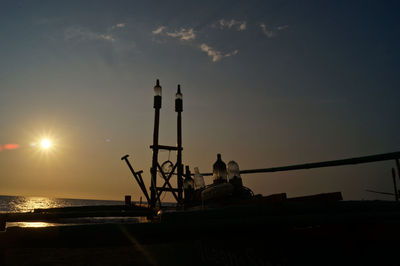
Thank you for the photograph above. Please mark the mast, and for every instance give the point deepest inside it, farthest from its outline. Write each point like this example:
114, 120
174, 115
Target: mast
157, 107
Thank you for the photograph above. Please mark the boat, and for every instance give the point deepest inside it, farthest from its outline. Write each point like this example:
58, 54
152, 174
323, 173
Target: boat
223, 223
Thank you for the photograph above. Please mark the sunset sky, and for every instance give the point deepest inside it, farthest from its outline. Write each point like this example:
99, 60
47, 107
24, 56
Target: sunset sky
264, 83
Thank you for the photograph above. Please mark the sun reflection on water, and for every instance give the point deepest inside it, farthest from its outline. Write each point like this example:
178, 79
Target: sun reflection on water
20, 204
31, 224
28, 204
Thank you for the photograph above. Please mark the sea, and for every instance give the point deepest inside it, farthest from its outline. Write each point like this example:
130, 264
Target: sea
10, 204
28, 204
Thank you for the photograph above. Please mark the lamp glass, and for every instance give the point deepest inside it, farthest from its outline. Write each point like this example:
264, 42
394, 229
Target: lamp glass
157, 90
178, 96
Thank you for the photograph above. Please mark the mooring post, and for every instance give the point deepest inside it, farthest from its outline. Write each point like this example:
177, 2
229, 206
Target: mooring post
157, 107
179, 109
396, 192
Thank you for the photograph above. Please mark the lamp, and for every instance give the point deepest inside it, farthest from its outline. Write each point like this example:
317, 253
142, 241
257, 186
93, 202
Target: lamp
178, 100
157, 95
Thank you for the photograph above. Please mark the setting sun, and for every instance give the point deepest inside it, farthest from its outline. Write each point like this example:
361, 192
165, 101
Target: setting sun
45, 144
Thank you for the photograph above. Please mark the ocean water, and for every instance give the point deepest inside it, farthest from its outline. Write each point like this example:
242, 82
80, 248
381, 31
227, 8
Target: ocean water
28, 204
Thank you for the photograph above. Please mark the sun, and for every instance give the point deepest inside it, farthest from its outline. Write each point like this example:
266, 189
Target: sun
45, 144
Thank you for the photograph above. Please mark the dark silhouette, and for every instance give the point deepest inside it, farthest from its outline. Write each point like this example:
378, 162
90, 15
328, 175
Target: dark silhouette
188, 186
138, 177
177, 169
219, 171
396, 192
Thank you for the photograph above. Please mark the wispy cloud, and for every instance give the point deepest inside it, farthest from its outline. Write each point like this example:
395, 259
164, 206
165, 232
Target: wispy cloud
215, 54
267, 31
242, 26
159, 30
271, 32
119, 25
107, 37
109, 44
183, 34
83, 34
238, 25
187, 34
283, 27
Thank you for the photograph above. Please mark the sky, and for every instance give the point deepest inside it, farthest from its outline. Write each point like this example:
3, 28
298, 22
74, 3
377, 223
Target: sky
264, 83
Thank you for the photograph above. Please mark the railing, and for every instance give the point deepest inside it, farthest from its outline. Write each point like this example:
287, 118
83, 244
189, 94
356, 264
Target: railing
349, 161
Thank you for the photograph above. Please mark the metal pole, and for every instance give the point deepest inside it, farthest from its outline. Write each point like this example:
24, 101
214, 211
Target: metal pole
179, 158
350, 161
179, 109
155, 158
137, 176
379, 192
157, 107
396, 193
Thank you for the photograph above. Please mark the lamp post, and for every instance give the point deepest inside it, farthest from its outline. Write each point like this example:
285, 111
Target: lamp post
157, 107
179, 109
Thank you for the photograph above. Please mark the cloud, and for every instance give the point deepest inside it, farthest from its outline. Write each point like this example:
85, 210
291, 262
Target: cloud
119, 25
106, 37
272, 32
187, 34
83, 34
267, 31
111, 46
283, 27
159, 30
214, 54
242, 26
239, 25
183, 34
235, 52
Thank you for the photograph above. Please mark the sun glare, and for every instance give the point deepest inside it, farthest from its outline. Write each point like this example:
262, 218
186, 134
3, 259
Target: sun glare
45, 144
